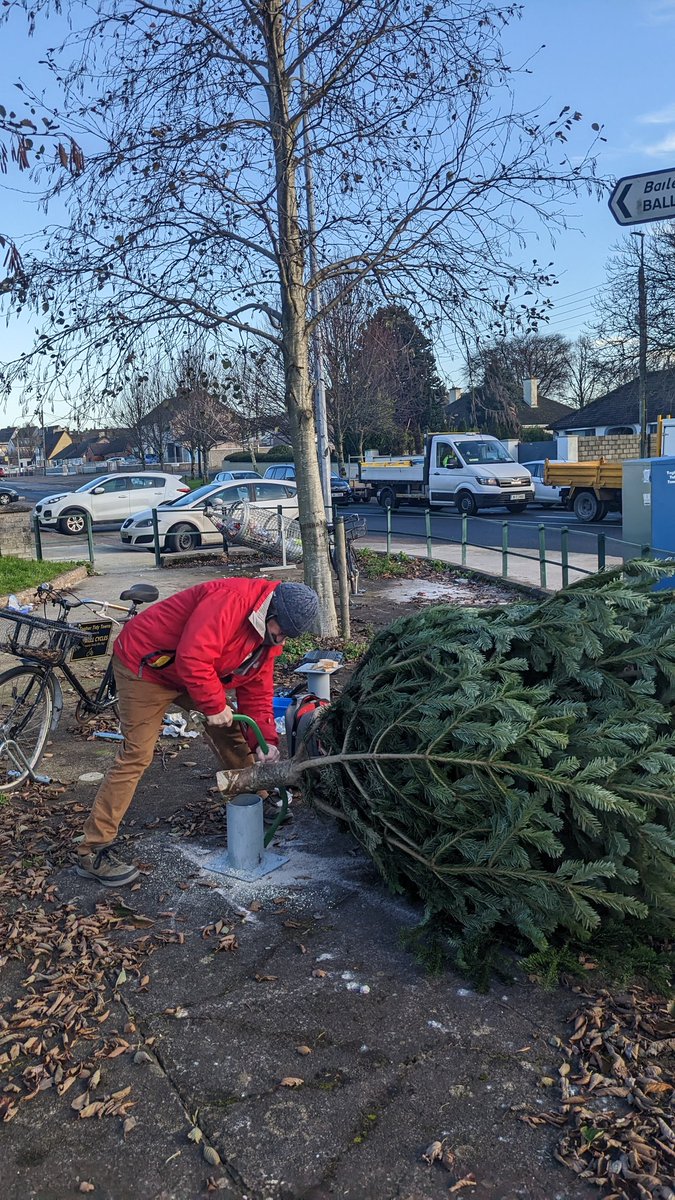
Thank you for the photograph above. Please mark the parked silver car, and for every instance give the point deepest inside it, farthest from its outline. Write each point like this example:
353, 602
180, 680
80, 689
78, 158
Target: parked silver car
183, 524
543, 492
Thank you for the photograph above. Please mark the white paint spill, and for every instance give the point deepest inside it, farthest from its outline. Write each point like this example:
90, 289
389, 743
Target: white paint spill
430, 590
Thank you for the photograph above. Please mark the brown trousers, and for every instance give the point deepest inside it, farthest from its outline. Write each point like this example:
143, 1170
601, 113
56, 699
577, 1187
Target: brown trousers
142, 706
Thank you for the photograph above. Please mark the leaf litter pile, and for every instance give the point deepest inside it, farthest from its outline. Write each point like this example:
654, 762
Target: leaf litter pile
617, 1096
63, 967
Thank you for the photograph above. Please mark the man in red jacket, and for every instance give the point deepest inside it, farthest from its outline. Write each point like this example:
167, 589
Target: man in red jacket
189, 650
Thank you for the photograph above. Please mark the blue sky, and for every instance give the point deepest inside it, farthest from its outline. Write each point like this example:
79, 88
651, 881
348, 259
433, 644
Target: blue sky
610, 59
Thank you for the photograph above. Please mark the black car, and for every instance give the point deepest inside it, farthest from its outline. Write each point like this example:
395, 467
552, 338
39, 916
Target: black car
340, 491
8, 495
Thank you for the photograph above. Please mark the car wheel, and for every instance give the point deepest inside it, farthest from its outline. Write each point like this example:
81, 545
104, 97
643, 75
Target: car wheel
5, 499
183, 538
466, 504
73, 522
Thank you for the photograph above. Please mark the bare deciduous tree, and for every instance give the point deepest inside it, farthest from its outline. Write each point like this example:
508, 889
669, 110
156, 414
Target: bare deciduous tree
356, 404
545, 357
616, 330
590, 373
197, 121
257, 393
200, 417
130, 410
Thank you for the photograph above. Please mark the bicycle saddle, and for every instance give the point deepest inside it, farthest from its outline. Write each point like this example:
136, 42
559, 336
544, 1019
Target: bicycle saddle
141, 593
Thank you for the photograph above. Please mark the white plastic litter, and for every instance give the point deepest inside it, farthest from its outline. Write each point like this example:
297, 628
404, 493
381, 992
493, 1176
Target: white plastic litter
175, 726
13, 604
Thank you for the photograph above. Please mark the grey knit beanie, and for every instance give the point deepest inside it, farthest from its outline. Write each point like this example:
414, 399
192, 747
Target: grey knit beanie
296, 608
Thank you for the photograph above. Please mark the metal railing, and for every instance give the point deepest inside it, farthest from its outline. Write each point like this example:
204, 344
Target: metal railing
37, 538
541, 558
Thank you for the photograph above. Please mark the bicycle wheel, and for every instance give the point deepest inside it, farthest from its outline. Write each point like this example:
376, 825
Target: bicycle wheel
26, 708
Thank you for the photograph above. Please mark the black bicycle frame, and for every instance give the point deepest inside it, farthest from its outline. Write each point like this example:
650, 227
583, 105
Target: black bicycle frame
105, 696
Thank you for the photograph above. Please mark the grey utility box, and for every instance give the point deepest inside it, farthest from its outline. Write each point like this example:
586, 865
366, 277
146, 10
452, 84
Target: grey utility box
637, 506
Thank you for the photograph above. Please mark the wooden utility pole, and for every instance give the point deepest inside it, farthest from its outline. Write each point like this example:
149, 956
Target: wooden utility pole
642, 367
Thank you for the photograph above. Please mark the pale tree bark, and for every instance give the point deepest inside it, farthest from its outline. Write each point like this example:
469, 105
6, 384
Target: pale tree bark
316, 562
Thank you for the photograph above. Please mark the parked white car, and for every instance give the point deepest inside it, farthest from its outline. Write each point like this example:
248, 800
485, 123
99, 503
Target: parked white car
109, 499
183, 524
543, 492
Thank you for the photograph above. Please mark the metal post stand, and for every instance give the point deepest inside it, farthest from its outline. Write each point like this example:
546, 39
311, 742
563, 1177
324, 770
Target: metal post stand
246, 857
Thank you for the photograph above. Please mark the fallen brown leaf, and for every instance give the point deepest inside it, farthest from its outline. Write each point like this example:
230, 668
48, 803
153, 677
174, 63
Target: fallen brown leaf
468, 1181
291, 1081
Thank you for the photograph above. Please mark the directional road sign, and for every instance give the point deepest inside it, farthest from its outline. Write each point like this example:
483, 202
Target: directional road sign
640, 198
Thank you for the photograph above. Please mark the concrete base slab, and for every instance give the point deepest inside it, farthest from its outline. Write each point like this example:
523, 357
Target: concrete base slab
220, 864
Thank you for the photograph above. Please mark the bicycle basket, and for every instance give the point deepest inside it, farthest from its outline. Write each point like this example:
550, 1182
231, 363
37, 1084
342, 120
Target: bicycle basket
37, 638
355, 526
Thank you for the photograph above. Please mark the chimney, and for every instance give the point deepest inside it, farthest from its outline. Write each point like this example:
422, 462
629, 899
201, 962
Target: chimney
530, 396
454, 394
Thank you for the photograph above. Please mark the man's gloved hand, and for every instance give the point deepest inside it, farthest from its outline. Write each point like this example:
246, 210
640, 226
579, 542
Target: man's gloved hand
272, 755
221, 718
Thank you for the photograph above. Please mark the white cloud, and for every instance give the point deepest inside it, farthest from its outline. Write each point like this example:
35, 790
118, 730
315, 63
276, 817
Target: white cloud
665, 146
661, 11
664, 116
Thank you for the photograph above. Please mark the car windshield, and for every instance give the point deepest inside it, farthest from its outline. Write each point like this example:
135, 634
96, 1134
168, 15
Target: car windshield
198, 494
87, 487
477, 453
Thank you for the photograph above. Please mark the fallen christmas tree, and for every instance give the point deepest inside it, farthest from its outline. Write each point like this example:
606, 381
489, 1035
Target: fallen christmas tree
513, 767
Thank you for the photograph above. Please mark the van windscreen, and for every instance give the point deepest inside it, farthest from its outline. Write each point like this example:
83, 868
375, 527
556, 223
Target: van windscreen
477, 453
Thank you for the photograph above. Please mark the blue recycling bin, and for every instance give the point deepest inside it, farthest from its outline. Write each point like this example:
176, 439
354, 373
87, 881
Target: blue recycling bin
663, 512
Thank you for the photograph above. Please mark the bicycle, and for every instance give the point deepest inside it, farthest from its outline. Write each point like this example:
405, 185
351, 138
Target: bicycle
31, 698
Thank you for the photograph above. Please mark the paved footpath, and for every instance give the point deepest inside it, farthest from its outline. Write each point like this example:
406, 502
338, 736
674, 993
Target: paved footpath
313, 985
320, 990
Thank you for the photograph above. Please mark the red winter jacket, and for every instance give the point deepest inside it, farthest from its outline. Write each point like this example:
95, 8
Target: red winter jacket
200, 638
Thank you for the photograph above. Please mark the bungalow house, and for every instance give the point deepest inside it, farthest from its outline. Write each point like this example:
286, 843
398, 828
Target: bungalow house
473, 409
617, 413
